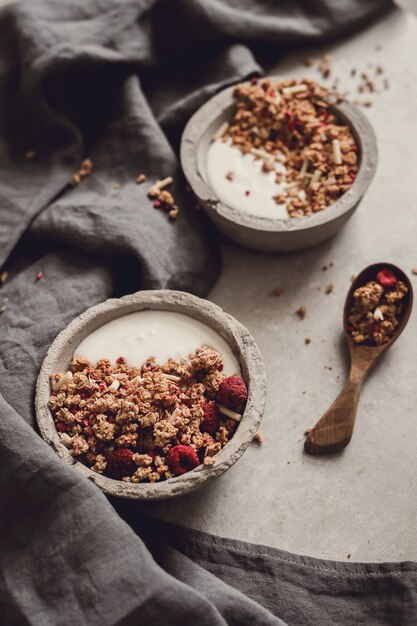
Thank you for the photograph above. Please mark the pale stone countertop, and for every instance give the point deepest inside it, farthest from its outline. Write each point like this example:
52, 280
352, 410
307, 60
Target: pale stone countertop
362, 502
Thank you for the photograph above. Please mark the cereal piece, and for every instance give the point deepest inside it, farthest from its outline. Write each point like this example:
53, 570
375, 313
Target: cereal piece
414, 270
140, 179
30, 155
4, 277
329, 288
85, 169
258, 437
278, 291
301, 312
307, 340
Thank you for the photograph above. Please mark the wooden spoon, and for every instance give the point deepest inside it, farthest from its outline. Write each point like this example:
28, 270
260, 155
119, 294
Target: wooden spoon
334, 429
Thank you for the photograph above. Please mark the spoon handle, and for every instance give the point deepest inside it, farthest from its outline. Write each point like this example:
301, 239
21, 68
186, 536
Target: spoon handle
334, 429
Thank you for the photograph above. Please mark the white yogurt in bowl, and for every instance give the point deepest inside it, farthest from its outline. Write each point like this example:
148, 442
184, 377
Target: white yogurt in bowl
161, 334
237, 180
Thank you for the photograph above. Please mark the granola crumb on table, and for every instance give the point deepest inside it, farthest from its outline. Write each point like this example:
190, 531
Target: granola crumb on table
377, 306
148, 423
291, 122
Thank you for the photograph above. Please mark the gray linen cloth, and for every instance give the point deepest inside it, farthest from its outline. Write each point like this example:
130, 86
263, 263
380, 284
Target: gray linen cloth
116, 81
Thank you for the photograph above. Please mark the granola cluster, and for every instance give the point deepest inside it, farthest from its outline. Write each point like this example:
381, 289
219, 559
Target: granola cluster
376, 309
149, 423
289, 123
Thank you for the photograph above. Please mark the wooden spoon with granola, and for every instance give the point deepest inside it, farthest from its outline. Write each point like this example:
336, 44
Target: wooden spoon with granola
376, 312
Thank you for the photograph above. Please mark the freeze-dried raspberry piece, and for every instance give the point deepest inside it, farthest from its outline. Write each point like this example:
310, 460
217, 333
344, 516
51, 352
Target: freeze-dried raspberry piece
181, 459
386, 278
211, 422
119, 463
232, 392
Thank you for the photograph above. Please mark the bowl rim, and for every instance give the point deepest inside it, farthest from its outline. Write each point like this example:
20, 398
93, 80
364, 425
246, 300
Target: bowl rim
216, 107
233, 332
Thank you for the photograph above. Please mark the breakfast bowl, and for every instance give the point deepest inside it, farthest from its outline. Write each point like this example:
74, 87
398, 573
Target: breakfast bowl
123, 326
259, 231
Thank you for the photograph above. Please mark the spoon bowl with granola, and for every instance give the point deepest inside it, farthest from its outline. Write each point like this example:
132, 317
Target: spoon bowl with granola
278, 164
377, 308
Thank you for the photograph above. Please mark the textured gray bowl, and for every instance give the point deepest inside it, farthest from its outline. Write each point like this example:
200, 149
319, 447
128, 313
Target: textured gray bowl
239, 339
264, 233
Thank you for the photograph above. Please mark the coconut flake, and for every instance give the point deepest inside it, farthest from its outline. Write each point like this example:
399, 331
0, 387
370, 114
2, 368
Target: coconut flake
337, 153
229, 413
114, 385
64, 379
175, 379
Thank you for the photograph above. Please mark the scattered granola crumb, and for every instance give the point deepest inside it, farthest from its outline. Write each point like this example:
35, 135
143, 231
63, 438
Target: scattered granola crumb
140, 179
4, 277
230, 176
30, 155
301, 312
308, 61
115, 185
348, 556
329, 288
84, 170
258, 437
307, 340
278, 291
414, 270
324, 66
39, 276
162, 198
307, 431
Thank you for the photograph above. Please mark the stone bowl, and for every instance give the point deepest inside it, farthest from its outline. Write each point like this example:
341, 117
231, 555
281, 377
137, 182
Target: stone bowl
239, 339
261, 233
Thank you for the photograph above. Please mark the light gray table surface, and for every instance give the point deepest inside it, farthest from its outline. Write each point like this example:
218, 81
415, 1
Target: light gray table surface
361, 502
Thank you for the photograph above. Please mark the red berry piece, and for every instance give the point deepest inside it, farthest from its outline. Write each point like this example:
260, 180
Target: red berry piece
120, 464
121, 359
211, 421
386, 278
181, 459
61, 427
232, 392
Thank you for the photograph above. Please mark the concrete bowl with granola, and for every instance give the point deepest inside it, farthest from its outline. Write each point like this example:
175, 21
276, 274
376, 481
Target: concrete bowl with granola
151, 430
278, 164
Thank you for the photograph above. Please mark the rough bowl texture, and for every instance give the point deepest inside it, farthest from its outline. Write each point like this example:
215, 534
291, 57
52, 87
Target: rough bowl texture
264, 233
241, 342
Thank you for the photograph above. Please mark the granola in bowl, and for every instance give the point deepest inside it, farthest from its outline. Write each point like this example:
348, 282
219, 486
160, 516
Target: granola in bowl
284, 151
148, 423
376, 309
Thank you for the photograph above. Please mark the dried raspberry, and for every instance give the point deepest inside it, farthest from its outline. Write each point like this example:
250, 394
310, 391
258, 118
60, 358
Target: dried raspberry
61, 427
121, 359
120, 464
232, 392
386, 278
211, 422
254, 80
181, 459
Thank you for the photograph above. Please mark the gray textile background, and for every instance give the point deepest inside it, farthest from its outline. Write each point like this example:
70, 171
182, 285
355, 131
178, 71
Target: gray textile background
116, 81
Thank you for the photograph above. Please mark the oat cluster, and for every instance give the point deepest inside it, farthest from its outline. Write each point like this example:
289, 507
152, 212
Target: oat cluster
85, 169
376, 309
125, 421
289, 123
